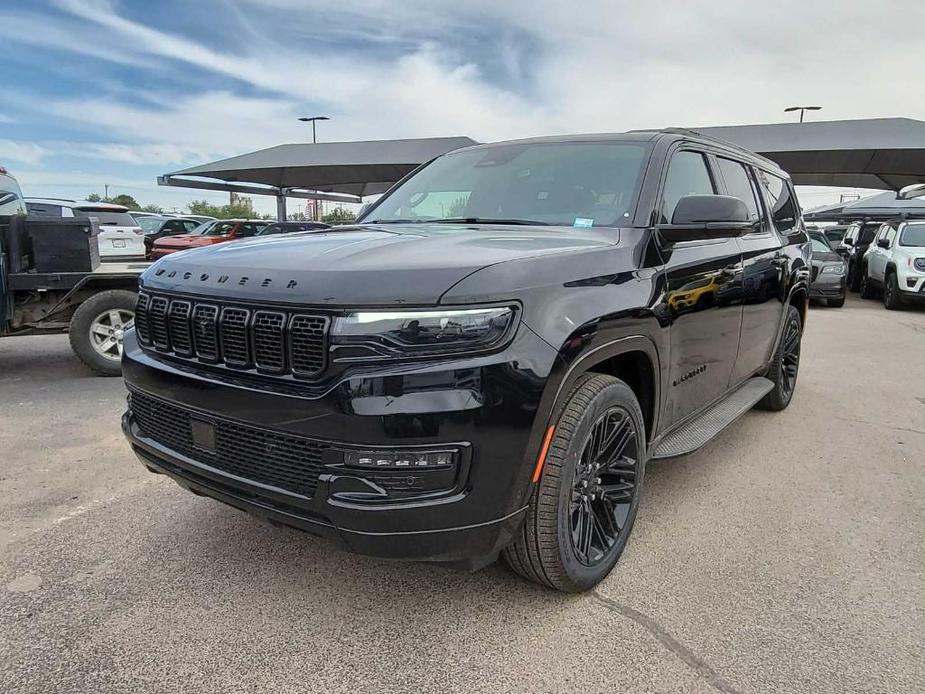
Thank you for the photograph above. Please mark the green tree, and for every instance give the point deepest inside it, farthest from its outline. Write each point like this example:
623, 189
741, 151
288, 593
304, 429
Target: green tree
94, 197
339, 215
126, 201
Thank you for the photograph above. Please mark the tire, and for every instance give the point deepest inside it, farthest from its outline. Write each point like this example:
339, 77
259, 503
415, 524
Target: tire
785, 365
854, 278
892, 299
575, 492
836, 303
100, 311
867, 291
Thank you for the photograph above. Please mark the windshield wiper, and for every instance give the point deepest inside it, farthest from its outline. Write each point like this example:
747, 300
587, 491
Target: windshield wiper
489, 220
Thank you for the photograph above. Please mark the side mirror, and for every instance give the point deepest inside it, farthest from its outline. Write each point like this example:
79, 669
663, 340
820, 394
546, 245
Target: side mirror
883, 243
698, 217
847, 241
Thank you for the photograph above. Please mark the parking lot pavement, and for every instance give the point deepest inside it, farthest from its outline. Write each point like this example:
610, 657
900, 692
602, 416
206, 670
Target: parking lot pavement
787, 555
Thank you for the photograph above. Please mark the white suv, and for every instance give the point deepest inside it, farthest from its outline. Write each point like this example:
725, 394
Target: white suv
895, 262
120, 236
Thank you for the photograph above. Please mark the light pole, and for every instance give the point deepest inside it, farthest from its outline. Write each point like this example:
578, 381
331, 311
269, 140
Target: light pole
312, 119
802, 110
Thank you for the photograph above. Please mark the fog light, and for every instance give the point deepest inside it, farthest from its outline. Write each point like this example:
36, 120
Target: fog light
401, 460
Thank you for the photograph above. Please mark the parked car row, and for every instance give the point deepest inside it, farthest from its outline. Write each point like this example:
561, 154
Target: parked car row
894, 264
221, 230
120, 237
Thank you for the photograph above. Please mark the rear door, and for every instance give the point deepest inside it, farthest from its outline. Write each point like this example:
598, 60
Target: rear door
875, 258
703, 279
763, 266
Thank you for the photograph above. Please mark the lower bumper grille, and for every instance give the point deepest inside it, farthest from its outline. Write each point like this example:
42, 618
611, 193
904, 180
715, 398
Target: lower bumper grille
289, 463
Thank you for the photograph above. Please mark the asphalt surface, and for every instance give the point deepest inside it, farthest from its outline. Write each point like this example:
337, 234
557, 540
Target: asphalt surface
788, 555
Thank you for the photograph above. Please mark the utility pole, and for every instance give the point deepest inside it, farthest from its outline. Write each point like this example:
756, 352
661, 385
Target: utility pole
106, 193
316, 205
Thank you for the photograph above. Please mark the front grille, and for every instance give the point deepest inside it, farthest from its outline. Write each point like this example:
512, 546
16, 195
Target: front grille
286, 462
245, 338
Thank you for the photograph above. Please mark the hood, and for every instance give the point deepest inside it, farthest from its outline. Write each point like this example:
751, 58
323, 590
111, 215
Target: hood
367, 265
821, 257
184, 240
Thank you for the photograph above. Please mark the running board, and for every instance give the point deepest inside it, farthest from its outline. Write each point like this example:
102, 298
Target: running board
697, 432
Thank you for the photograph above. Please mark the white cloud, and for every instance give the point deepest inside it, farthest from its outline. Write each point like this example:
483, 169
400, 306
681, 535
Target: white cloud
22, 152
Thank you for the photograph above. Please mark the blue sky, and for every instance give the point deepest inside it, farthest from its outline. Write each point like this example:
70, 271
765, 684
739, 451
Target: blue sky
119, 91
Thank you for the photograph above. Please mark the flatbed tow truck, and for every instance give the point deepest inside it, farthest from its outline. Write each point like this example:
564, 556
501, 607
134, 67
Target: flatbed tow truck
41, 292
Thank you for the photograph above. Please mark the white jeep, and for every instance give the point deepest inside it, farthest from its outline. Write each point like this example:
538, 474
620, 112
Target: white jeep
895, 263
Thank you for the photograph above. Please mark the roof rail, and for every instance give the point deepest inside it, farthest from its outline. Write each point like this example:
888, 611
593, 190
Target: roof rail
732, 145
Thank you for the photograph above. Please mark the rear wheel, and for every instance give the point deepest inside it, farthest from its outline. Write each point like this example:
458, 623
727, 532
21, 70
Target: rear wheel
97, 327
785, 365
891, 296
582, 511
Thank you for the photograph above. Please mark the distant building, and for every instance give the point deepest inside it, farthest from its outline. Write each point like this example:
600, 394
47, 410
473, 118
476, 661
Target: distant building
240, 200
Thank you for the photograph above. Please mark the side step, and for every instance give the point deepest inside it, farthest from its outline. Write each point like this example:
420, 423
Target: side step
698, 431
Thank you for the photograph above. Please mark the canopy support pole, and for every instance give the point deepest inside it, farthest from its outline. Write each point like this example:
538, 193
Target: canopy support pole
281, 208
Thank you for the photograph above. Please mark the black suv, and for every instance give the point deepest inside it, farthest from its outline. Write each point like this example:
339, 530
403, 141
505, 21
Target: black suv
484, 363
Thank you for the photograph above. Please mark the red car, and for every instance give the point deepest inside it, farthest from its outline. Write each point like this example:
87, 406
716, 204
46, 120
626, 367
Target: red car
217, 231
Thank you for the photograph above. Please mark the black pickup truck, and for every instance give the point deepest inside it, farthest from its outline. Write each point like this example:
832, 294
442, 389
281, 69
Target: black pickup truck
485, 362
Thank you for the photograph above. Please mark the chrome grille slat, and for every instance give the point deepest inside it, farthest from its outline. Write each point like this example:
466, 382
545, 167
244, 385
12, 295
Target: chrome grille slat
178, 323
263, 340
141, 320
234, 337
157, 322
269, 340
205, 331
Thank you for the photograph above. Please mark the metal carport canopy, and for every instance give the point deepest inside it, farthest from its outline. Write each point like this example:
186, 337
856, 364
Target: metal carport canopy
884, 153
881, 206
342, 171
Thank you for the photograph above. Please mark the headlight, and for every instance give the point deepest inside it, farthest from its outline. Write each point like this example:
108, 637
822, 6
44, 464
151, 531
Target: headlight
395, 334
919, 264
833, 270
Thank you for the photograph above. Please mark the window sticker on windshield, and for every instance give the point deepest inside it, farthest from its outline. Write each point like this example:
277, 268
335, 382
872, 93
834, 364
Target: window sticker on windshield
583, 222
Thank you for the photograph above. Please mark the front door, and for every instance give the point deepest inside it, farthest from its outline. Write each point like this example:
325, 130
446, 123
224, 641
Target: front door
702, 286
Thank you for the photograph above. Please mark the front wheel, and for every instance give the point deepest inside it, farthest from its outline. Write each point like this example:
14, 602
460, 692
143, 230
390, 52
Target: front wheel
891, 297
97, 327
785, 365
836, 303
581, 512
854, 277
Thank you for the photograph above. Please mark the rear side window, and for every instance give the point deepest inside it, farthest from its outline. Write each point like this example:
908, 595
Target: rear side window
783, 202
739, 184
890, 235
687, 175
42, 210
107, 217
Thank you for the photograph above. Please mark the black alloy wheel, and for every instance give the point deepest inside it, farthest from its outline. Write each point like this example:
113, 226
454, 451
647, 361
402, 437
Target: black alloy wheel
603, 486
583, 507
891, 297
790, 359
786, 363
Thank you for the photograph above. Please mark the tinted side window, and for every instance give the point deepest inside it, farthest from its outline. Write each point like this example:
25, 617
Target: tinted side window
783, 203
687, 175
739, 184
189, 226
891, 235
43, 210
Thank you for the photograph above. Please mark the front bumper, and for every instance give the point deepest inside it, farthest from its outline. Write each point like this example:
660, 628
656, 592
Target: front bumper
467, 525
827, 286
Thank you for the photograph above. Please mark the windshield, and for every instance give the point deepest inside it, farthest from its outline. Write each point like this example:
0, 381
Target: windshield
107, 217
150, 225
564, 184
820, 246
913, 235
